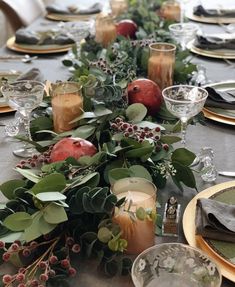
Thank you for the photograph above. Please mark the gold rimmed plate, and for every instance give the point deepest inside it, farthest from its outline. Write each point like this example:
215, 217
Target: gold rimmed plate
226, 264
37, 49
68, 18
209, 20
218, 54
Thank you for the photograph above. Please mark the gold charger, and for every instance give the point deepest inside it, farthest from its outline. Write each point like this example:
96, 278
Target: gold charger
197, 241
218, 54
68, 18
217, 118
37, 49
7, 109
209, 20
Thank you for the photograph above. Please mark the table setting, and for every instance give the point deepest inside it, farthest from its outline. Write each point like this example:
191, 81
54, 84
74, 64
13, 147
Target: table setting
100, 185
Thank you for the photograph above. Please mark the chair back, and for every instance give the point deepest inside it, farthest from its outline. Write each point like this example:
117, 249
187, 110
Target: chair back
22, 12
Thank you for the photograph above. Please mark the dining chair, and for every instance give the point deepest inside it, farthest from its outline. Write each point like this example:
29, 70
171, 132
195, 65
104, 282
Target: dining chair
22, 12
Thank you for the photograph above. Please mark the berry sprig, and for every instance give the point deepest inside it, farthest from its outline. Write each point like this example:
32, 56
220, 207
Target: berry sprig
44, 267
140, 134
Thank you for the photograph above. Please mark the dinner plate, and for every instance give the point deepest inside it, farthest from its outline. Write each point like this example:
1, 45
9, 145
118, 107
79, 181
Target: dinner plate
68, 18
211, 20
6, 109
221, 115
227, 267
218, 54
37, 49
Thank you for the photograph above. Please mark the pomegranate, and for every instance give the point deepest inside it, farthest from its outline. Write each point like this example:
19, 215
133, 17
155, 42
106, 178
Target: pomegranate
126, 28
146, 92
71, 147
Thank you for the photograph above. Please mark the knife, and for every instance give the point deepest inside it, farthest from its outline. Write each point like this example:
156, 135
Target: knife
227, 173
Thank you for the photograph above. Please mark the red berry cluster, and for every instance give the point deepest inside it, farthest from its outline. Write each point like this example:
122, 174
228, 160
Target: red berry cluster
139, 133
36, 160
44, 266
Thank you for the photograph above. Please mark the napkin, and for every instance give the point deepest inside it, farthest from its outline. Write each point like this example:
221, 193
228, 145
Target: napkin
215, 41
220, 99
25, 36
200, 10
32, 74
74, 10
215, 220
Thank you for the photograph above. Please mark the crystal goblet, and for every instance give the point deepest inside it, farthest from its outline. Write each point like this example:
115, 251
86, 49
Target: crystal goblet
24, 96
184, 102
183, 33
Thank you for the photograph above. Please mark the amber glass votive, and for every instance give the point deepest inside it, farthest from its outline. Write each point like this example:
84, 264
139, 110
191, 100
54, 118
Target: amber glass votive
171, 10
118, 7
67, 105
105, 30
138, 192
161, 64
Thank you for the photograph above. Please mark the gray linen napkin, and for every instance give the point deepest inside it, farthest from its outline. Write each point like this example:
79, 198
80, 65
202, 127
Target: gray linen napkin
219, 99
215, 220
202, 11
73, 10
24, 36
213, 42
32, 74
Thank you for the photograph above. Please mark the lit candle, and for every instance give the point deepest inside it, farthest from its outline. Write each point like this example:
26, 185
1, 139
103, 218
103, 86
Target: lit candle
161, 64
105, 30
67, 104
139, 193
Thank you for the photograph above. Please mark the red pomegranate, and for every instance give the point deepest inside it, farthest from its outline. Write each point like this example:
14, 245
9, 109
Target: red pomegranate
146, 92
71, 147
126, 28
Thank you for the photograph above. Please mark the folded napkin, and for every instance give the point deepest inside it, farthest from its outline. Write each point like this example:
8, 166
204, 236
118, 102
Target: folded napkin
213, 41
219, 99
202, 11
215, 220
74, 10
32, 74
25, 36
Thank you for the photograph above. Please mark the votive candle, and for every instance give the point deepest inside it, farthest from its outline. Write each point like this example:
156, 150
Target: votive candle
105, 30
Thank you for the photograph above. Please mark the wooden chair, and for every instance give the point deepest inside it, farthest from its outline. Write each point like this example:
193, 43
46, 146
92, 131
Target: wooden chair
21, 13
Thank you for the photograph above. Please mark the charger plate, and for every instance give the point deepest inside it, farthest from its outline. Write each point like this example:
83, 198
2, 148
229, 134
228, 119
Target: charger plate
212, 20
68, 18
221, 115
217, 54
37, 49
227, 267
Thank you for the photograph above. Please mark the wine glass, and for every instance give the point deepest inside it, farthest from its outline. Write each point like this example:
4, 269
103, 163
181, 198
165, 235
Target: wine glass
24, 96
184, 102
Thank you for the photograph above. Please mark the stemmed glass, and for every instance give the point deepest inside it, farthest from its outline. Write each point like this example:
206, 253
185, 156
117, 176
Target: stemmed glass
24, 96
184, 102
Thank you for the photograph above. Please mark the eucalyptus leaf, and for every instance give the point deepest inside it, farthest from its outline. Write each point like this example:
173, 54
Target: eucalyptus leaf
18, 221
11, 237
101, 110
45, 227
10, 186
104, 234
170, 139
54, 214
118, 173
50, 196
32, 232
137, 153
30, 174
84, 132
140, 171
136, 112
91, 180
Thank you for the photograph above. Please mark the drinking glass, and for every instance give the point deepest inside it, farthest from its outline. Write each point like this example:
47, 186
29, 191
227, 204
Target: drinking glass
24, 96
184, 102
183, 33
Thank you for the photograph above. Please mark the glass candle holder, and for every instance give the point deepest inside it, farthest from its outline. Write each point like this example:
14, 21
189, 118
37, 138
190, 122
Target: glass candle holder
138, 192
67, 104
118, 7
105, 30
171, 10
161, 64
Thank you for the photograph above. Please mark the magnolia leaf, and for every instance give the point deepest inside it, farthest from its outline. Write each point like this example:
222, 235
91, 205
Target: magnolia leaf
104, 234
54, 214
29, 174
139, 152
10, 186
51, 182
50, 196
162, 154
101, 110
170, 139
85, 115
183, 156
118, 173
84, 132
136, 112
18, 221
11, 237
184, 174
91, 180
140, 171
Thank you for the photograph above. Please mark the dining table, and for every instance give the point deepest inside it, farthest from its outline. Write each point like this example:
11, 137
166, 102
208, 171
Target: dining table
218, 136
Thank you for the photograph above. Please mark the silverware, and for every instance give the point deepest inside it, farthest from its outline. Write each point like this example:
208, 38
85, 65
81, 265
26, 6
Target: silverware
227, 173
28, 59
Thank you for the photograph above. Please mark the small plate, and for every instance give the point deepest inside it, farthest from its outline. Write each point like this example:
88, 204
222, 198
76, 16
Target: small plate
212, 20
37, 49
227, 269
218, 54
